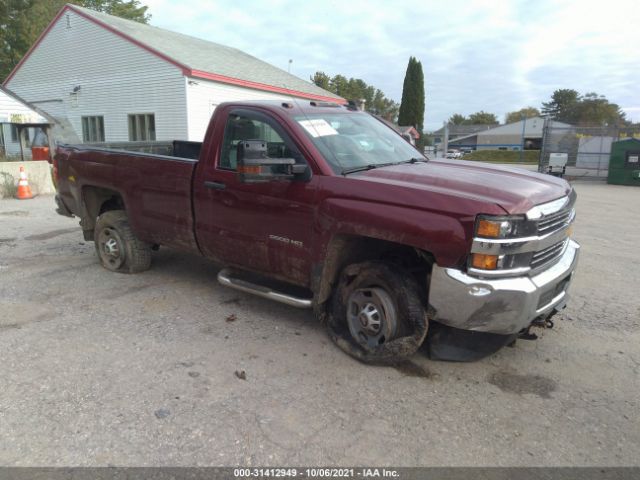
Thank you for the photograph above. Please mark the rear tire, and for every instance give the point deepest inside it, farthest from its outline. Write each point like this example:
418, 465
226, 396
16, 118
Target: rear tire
118, 249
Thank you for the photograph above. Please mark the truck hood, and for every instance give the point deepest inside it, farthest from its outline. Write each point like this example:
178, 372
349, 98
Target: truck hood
514, 189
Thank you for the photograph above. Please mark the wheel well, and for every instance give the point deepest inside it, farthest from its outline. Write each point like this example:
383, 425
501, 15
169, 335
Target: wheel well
344, 250
96, 201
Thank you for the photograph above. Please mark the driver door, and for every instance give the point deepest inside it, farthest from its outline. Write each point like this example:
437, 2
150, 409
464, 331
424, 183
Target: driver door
264, 227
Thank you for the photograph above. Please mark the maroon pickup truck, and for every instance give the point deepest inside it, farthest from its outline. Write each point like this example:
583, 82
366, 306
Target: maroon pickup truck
325, 207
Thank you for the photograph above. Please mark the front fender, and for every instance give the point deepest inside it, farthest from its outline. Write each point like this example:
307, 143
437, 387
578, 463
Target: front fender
444, 236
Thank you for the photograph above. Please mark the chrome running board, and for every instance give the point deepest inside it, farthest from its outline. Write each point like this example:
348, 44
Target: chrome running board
225, 277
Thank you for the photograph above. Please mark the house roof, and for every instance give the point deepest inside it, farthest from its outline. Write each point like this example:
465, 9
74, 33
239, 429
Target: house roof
14, 109
464, 129
409, 130
199, 58
400, 129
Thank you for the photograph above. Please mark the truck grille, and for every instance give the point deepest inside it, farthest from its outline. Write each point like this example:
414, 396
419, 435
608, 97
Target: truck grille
548, 225
554, 221
548, 255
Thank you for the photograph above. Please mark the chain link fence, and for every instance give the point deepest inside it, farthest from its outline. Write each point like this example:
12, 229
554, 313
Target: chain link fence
586, 150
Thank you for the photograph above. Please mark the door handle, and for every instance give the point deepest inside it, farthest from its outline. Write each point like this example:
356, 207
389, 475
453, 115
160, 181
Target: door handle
215, 185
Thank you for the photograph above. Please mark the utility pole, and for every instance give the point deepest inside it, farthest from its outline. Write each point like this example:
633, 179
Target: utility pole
445, 141
289, 67
524, 124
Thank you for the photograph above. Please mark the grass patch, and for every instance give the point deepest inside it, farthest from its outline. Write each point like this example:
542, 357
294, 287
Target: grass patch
8, 185
530, 157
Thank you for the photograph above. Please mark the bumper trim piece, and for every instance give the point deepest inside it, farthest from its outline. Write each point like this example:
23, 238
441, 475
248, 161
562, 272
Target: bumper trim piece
505, 305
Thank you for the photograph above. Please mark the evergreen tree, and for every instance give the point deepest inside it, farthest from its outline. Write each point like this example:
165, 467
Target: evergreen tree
563, 105
412, 104
322, 80
356, 89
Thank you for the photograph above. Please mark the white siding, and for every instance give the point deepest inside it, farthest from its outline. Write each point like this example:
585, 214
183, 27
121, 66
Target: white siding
116, 78
10, 106
533, 128
204, 95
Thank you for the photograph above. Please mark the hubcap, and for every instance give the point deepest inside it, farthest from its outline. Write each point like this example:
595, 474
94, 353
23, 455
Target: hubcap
109, 247
371, 316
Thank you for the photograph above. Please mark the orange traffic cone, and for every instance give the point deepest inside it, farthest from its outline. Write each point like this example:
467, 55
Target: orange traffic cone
24, 190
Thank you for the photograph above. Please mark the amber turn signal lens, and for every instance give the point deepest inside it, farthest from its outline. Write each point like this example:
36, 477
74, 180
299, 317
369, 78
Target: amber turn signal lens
485, 262
250, 169
489, 229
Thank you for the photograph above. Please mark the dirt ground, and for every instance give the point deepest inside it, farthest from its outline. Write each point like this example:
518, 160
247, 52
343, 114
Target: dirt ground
98, 368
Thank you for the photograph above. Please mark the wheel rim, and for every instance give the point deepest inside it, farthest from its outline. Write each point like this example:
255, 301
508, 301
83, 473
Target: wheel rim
371, 315
110, 248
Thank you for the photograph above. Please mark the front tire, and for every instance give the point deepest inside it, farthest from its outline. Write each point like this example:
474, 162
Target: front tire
377, 313
118, 249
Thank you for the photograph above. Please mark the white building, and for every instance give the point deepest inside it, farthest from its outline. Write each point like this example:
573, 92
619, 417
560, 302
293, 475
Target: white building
116, 80
19, 124
512, 136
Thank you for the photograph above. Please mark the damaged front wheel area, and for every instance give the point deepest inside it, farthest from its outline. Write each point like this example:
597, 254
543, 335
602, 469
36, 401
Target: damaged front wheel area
377, 313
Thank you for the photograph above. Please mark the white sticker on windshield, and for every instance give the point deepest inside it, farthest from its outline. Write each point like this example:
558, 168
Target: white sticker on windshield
318, 127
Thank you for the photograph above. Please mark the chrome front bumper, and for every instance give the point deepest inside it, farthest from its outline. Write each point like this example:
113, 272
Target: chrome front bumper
503, 306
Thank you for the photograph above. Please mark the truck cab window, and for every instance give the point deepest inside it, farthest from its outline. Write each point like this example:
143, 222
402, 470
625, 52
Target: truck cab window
240, 127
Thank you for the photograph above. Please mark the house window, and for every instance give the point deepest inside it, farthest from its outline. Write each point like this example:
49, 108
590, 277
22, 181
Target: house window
142, 127
15, 135
93, 129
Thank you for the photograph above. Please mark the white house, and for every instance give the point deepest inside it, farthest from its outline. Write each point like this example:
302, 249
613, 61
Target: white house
19, 124
116, 80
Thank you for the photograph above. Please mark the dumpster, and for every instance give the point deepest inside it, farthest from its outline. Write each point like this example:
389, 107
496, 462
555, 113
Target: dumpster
624, 164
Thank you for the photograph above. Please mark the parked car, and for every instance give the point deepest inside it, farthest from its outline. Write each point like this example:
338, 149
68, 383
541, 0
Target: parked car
452, 153
319, 206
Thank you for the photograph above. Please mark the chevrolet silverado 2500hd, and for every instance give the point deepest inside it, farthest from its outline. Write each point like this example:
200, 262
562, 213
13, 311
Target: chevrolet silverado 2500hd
321, 206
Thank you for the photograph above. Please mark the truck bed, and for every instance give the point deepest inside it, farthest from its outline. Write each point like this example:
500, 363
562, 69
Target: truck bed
155, 187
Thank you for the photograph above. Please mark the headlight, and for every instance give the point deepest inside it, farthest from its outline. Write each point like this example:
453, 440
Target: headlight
513, 226
501, 228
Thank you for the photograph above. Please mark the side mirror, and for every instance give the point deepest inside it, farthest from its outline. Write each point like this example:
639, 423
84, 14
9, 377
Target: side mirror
255, 166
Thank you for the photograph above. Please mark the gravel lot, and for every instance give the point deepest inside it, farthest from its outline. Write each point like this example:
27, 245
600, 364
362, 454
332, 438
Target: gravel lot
99, 368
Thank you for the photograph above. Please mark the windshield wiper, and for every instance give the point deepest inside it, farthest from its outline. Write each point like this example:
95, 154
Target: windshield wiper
371, 166
362, 168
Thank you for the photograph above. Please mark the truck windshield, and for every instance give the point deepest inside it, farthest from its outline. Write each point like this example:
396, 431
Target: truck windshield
353, 142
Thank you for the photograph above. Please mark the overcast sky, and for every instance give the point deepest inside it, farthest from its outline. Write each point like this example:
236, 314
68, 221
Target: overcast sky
493, 55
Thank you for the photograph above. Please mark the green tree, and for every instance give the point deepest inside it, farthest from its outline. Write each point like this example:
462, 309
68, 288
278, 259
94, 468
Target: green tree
457, 119
482, 118
563, 105
129, 9
526, 112
355, 89
22, 21
567, 105
322, 80
411, 111
595, 109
